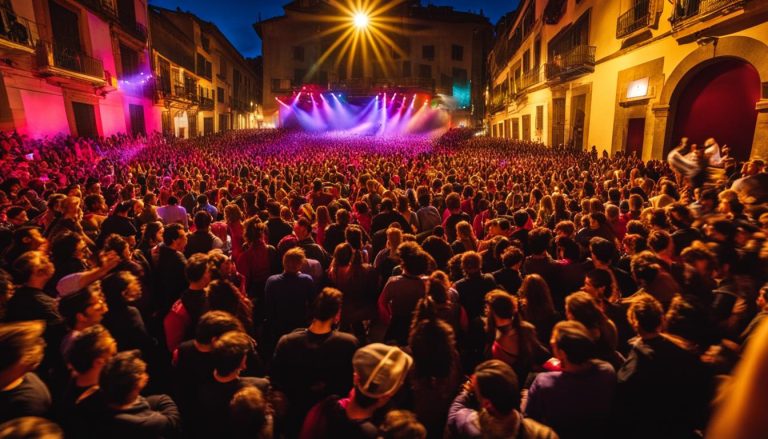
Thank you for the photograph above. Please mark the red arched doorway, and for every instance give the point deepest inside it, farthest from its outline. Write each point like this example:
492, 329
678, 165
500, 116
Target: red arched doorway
719, 101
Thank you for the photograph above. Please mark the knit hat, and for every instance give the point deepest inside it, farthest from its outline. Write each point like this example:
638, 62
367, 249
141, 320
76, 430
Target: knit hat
380, 369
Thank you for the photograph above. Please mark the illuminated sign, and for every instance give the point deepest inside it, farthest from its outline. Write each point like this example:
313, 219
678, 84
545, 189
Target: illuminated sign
637, 89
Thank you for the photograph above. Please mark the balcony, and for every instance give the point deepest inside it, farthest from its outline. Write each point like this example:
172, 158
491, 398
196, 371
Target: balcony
206, 104
636, 18
529, 79
105, 7
702, 10
17, 33
55, 59
176, 92
577, 61
135, 29
499, 102
187, 92
554, 11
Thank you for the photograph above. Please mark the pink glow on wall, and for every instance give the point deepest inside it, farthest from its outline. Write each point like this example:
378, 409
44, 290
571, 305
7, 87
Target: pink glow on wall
45, 114
112, 115
101, 43
152, 118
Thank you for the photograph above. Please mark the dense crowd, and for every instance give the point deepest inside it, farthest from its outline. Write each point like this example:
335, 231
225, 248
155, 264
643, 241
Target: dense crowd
278, 284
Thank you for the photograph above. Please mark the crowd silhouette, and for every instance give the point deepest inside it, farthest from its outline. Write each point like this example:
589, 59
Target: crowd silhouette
272, 283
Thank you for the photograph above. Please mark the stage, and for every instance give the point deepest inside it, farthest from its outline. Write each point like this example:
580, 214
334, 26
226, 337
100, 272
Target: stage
381, 115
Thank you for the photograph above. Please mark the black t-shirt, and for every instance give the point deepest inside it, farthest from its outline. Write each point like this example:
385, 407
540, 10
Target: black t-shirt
77, 408
212, 407
509, 279
472, 291
30, 398
450, 224
277, 229
192, 368
308, 367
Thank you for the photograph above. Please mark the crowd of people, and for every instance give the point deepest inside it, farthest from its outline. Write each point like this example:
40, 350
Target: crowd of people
275, 284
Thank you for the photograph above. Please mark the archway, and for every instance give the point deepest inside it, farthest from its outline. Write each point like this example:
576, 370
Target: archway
718, 100
743, 48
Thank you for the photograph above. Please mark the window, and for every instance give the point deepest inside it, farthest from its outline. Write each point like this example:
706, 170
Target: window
428, 52
526, 61
457, 52
204, 67
129, 60
126, 12
206, 43
406, 69
425, 71
576, 35
220, 91
298, 53
537, 53
527, 127
539, 118
516, 129
223, 69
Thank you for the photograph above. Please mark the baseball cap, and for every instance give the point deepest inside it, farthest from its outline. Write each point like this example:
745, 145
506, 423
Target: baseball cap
380, 369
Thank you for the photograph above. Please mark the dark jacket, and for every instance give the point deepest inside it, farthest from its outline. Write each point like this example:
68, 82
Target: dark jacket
151, 417
663, 391
170, 278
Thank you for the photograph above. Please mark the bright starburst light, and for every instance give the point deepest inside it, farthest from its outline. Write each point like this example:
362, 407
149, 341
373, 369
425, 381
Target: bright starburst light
361, 20
360, 28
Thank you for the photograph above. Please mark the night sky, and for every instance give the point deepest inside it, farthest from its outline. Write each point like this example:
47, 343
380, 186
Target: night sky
236, 17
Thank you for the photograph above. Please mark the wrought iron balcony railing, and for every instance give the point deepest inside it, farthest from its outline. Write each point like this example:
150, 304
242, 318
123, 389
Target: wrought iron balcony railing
530, 78
104, 6
17, 30
499, 102
206, 103
67, 58
636, 18
135, 28
685, 11
580, 59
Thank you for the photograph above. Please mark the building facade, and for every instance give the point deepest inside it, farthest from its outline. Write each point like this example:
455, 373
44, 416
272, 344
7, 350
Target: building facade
632, 75
74, 67
440, 52
203, 84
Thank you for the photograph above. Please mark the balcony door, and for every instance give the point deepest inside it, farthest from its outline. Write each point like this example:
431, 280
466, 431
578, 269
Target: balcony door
126, 10
558, 121
65, 27
207, 125
635, 136
578, 113
137, 119
85, 120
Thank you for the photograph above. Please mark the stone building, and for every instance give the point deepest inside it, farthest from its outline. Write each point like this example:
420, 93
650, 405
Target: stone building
203, 84
632, 75
440, 53
75, 66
